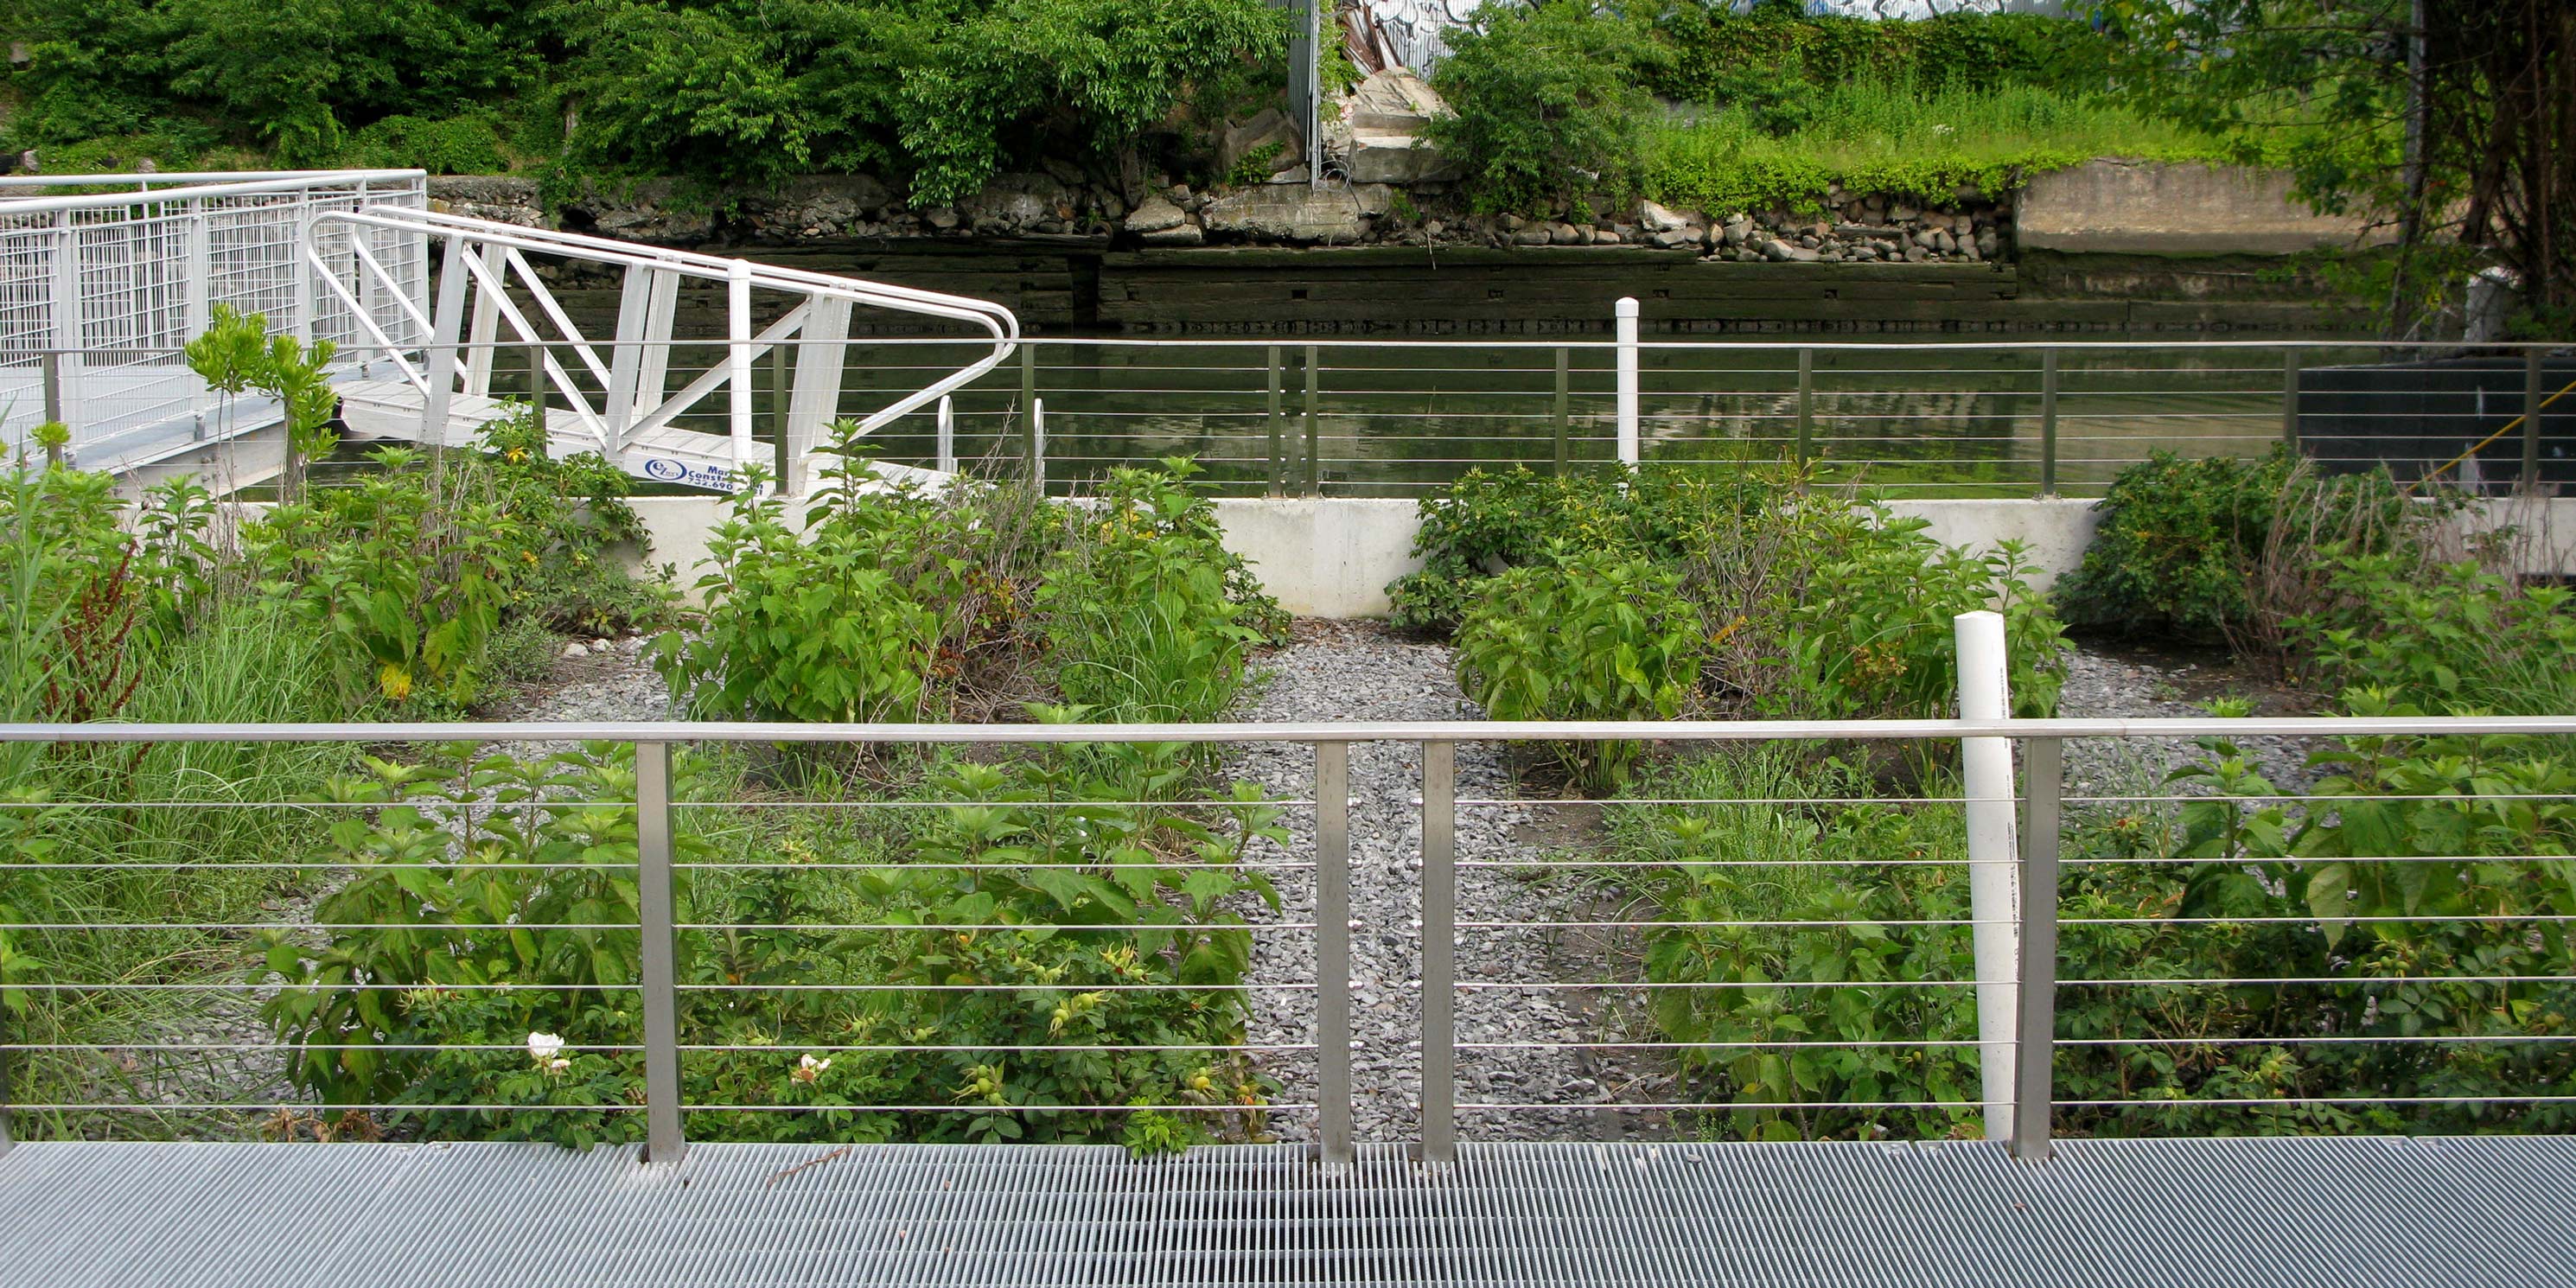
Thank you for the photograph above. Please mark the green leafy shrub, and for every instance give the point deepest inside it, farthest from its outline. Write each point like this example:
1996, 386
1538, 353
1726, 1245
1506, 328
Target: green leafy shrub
1592, 636
2177, 544
1147, 615
1023, 926
1546, 102
2458, 639
1714, 45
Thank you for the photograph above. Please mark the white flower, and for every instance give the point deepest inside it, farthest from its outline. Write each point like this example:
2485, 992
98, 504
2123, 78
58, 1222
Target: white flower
808, 1068
557, 1065
544, 1047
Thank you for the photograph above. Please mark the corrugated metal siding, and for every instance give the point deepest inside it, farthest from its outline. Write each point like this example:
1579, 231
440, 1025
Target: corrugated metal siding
2492, 1212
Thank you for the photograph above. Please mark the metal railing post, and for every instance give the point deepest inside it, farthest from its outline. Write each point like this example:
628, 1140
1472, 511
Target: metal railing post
1029, 411
537, 391
2290, 399
2048, 422
53, 378
779, 418
1806, 449
67, 324
1037, 444
1564, 389
2531, 402
658, 962
1314, 427
2035, 1019
1333, 953
1439, 953
1276, 481
738, 358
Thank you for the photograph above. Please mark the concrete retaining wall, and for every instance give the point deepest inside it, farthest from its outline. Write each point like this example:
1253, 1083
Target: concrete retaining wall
1332, 557
2113, 206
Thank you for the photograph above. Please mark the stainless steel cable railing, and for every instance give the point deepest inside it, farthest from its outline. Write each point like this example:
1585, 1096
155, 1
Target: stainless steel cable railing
1465, 1013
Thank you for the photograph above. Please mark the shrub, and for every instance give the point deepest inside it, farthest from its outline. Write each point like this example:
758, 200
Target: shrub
454, 1012
1147, 615
1591, 636
2457, 638
1546, 102
2177, 544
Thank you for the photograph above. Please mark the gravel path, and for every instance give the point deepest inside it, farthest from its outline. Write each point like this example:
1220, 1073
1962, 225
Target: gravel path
1359, 671
2111, 680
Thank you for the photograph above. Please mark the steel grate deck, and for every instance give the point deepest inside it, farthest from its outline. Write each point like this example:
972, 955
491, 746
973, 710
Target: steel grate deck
2329, 1213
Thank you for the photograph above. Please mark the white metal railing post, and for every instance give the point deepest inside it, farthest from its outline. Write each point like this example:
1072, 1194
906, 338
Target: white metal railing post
1439, 926
658, 970
446, 327
947, 437
738, 358
67, 324
1334, 1134
1625, 403
817, 399
197, 311
1987, 774
300, 290
2035, 1018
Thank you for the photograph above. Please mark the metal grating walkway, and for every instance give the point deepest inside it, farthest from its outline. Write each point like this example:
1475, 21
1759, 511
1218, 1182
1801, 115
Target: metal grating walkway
2329, 1213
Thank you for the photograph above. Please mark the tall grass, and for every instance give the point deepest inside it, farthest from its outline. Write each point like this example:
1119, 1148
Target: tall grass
137, 837
1892, 135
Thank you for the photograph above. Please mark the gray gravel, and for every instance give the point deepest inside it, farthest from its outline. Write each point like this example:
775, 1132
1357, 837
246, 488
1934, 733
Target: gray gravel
1359, 671
2109, 681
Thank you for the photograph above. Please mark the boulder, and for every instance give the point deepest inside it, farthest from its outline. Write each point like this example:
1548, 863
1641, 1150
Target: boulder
1269, 128
1659, 219
1782, 252
1157, 214
1177, 235
1019, 201
1381, 156
1674, 239
1284, 212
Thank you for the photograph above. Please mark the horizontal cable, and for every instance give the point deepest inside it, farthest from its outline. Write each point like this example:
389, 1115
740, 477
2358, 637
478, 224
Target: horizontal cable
2312, 1100
1515, 1106
628, 1048
1742, 1045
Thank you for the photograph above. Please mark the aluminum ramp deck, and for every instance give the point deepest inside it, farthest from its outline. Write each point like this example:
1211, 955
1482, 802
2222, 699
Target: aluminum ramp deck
2488, 1212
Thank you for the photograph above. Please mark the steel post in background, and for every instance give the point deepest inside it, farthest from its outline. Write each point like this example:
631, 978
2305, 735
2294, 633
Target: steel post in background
1986, 773
781, 405
53, 380
1029, 411
1564, 388
1624, 402
1439, 953
69, 343
1314, 426
657, 962
1275, 482
2048, 422
2531, 403
1333, 953
1806, 448
2035, 1018
2290, 399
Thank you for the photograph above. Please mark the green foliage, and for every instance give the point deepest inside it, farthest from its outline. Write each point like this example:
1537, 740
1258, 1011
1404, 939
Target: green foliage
1593, 635
1023, 926
2455, 639
2178, 544
1547, 102
237, 353
1147, 615
2330, 81
1856, 863
1718, 52
469, 143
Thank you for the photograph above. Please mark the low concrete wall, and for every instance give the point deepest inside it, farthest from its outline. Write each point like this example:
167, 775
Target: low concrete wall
2113, 206
1333, 557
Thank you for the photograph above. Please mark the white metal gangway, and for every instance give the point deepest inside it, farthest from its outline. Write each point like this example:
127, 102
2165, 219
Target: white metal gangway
100, 290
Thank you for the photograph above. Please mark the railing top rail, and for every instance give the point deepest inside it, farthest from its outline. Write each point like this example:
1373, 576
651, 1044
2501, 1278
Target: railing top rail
1307, 731
762, 275
254, 184
999, 322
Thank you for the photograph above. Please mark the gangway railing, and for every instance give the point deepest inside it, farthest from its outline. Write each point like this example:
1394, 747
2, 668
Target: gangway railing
101, 287
1438, 955
631, 421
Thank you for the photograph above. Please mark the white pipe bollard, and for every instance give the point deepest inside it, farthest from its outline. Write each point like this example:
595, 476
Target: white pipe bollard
738, 358
1994, 853
1625, 315
947, 437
